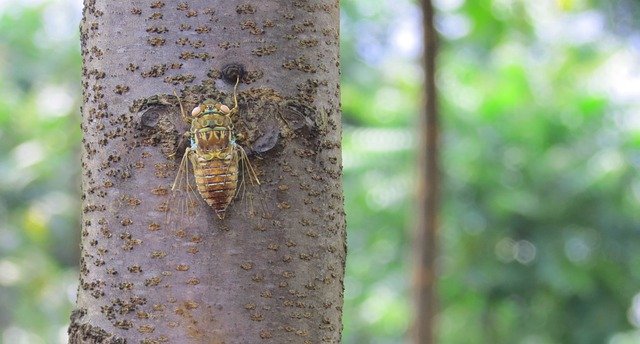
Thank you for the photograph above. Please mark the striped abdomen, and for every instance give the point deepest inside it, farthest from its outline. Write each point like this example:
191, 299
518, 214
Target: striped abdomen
217, 180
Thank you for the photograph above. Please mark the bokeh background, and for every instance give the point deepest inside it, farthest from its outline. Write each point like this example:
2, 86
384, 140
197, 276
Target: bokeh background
540, 215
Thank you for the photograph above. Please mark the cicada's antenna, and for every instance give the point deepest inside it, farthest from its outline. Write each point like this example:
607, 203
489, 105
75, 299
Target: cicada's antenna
235, 96
183, 114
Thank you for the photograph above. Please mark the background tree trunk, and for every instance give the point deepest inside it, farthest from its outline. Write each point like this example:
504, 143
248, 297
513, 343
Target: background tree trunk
272, 270
425, 274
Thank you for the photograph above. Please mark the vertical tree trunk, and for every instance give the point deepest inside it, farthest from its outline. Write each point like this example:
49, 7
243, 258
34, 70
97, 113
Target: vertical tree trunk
272, 270
428, 179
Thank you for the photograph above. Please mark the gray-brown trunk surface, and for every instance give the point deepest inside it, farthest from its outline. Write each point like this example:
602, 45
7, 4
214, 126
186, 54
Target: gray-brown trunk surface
156, 271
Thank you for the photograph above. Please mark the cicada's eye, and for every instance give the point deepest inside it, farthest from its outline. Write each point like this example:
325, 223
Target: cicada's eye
224, 109
196, 110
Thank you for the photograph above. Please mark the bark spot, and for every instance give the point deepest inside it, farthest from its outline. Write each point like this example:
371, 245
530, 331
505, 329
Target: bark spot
245, 9
88, 334
232, 72
157, 4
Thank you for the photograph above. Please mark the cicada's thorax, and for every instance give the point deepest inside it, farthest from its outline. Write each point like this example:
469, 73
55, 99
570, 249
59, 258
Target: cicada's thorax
212, 136
215, 162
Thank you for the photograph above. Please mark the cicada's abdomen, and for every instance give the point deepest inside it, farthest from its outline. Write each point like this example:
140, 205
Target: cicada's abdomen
217, 181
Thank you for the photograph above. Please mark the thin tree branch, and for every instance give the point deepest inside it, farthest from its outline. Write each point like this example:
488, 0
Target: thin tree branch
428, 181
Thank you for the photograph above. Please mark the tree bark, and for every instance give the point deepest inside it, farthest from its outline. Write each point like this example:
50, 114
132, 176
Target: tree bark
271, 271
425, 274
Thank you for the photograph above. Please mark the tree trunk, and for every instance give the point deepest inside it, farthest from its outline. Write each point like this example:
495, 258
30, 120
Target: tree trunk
156, 271
425, 274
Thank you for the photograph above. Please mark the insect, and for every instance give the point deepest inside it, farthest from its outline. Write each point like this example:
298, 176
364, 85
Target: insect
214, 154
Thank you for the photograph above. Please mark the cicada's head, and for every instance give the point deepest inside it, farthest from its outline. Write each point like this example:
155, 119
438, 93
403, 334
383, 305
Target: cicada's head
210, 107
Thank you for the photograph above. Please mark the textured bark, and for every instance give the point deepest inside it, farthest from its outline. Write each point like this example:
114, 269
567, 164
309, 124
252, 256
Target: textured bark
425, 274
272, 270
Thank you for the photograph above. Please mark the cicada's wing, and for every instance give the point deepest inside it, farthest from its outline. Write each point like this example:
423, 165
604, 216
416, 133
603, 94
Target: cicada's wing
184, 199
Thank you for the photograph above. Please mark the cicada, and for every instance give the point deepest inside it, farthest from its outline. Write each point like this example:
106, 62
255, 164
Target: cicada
214, 154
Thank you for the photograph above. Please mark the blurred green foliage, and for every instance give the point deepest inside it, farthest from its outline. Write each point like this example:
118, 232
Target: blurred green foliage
39, 165
540, 158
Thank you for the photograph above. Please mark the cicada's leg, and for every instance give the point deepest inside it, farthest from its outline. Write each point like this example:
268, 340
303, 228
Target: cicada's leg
241, 188
175, 205
183, 144
246, 163
182, 169
193, 197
